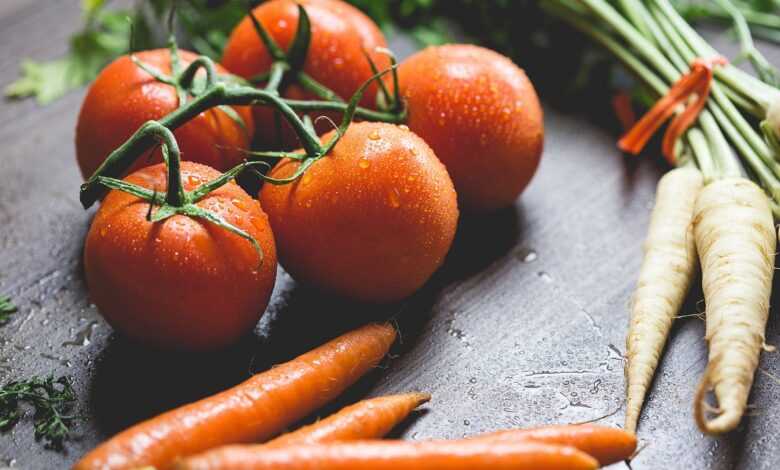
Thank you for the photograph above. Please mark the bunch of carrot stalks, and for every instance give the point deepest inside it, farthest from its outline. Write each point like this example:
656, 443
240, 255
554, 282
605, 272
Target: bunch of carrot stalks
715, 210
230, 430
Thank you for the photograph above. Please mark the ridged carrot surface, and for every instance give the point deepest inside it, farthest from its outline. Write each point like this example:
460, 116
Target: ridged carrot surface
368, 419
605, 444
468, 454
250, 412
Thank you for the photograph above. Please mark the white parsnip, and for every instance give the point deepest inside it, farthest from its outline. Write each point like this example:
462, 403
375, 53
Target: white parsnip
668, 267
736, 240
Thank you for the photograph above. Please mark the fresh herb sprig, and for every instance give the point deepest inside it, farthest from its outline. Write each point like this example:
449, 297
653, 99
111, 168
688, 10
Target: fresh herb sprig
104, 37
6, 309
53, 401
202, 24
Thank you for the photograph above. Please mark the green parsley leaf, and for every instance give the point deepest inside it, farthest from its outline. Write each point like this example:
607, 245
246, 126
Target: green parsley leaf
52, 399
104, 38
6, 309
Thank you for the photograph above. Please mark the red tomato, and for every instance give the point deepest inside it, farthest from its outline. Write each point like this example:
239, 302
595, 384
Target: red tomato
182, 283
340, 33
123, 97
480, 114
371, 221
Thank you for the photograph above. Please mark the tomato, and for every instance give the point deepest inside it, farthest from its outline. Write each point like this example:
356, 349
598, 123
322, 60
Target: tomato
480, 114
181, 283
124, 96
340, 33
371, 221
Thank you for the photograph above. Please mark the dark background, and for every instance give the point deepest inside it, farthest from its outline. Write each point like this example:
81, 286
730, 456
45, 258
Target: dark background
525, 324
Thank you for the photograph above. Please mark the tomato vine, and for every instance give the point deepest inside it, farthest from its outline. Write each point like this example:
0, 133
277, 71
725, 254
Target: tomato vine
197, 96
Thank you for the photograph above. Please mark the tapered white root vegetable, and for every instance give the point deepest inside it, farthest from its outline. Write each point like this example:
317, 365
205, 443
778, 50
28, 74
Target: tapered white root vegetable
736, 241
668, 267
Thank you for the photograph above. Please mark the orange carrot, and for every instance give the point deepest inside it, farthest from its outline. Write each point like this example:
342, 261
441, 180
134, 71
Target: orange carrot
251, 411
368, 419
467, 454
607, 445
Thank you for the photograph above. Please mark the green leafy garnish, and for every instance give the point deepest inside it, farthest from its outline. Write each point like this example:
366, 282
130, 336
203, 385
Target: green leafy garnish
104, 37
6, 309
53, 401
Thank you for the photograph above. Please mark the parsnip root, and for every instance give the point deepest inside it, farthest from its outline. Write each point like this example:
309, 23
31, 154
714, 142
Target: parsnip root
736, 240
668, 267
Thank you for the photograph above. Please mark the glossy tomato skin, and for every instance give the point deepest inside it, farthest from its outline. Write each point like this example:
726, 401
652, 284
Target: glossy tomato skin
123, 97
482, 117
181, 283
371, 221
340, 33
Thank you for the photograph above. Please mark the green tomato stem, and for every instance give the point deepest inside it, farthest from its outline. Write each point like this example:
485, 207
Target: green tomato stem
275, 76
320, 90
121, 159
363, 113
202, 62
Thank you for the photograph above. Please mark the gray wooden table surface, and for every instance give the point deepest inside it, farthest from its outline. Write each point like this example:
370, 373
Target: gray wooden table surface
524, 325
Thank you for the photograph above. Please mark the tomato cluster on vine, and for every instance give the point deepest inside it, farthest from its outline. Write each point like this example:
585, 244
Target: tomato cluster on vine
180, 256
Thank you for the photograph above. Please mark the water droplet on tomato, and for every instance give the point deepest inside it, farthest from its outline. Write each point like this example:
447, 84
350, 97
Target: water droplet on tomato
374, 135
413, 151
404, 127
103, 232
306, 179
364, 163
193, 180
411, 178
393, 198
241, 205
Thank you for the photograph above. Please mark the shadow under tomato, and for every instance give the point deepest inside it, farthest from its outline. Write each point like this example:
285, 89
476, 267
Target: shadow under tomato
481, 239
132, 382
302, 318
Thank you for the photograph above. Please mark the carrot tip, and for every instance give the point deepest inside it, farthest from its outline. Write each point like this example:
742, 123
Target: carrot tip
422, 397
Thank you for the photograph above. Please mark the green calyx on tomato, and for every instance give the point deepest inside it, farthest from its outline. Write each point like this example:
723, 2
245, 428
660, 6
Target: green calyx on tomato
176, 200
187, 82
288, 67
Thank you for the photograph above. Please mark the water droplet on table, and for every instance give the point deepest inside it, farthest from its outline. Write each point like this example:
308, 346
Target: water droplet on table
84, 336
545, 276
